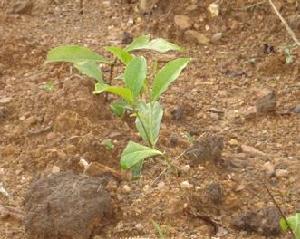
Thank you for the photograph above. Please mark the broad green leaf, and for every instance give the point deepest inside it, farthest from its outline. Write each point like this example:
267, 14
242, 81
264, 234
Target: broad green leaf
118, 107
135, 75
166, 76
138, 43
162, 46
148, 121
135, 153
297, 227
283, 225
91, 69
292, 222
73, 54
120, 53
125, 93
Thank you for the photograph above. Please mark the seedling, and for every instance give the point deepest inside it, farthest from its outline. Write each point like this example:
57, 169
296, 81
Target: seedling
138, 96
160, 232
48, 86
108, 143
292, 223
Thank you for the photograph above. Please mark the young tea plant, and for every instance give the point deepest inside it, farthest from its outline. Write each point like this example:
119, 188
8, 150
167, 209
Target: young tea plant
292, 223
137, 95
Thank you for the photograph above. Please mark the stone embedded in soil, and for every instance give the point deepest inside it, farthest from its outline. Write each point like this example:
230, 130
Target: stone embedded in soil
266, 101
281, 173
269, 168
216, 37
196, 37
183, 21
264, 221
297, 109
177, 113
65, 205
208, 147
214, 193
21, 7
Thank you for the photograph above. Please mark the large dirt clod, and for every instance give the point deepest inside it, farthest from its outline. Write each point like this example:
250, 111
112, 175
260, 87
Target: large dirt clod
66, 206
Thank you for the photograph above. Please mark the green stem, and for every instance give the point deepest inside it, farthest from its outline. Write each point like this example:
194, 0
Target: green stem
144, 128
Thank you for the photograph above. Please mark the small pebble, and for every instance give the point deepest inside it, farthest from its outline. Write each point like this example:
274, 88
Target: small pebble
126, 189
161, 185
281, 173
186, 184
233, 142
55, 169
269, 168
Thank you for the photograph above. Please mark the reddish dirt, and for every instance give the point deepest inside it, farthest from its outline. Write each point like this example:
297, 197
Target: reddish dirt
40, 131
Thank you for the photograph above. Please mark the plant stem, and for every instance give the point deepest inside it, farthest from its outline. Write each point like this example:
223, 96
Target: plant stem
144, 128
279, 210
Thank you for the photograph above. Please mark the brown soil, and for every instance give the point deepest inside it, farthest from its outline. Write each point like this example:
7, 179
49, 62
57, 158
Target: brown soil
40, 131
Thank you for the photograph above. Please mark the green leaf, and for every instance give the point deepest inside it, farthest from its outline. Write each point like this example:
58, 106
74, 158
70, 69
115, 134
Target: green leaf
158, 229
283, 225
125, 93
138, 43
91, 69
148, 121
120, 53
297, 227
169, 73
135, 153
118, 107
162, 46
73, 54
108, 143
48, 87
135, 75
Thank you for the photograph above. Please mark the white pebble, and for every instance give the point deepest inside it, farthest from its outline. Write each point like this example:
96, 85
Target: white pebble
186, 184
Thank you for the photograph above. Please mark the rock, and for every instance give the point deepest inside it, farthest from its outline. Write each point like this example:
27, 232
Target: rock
186, 184
183, 21
216, 37
269, 168
95, 169
196, 37
252, 151
266, 101
55, 169
20, 7
161, 185
297, 109
126, 38
208, 147
3, 112
264, 221
126, 189
214, 193
173, 140
5, 100
213, 8
65, 205
281, 173
250, 113
177, 113
147, 5
233, 142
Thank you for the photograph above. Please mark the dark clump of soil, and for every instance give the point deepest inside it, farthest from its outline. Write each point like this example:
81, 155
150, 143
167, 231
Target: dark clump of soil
65, 205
